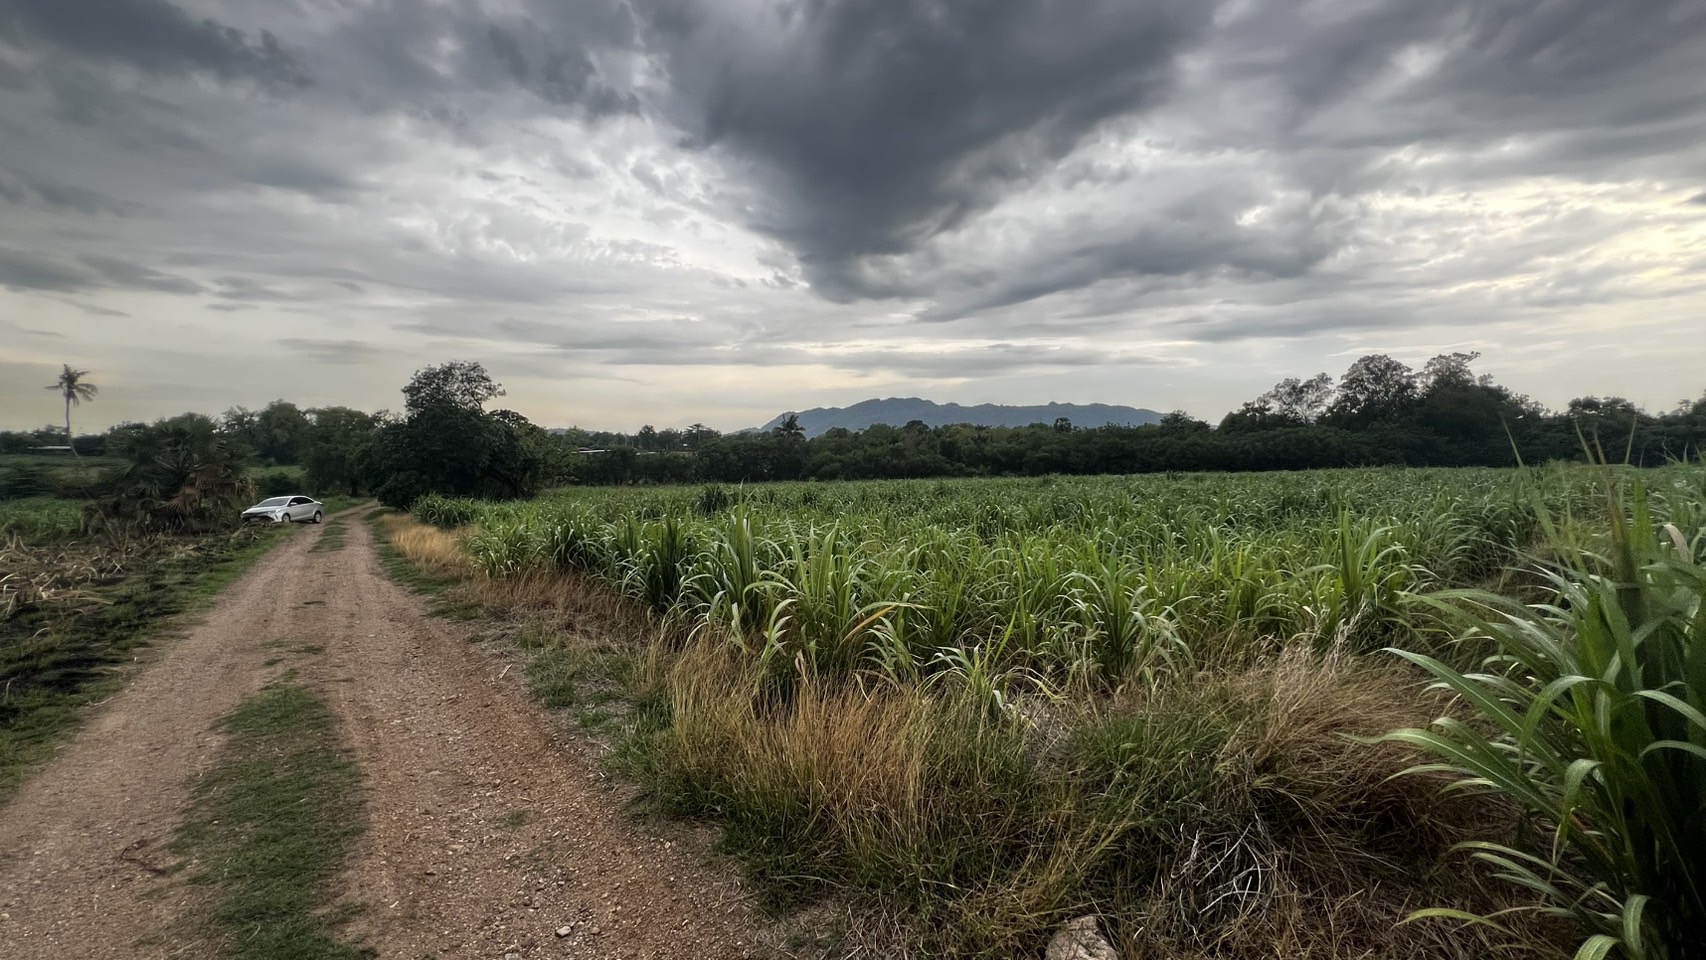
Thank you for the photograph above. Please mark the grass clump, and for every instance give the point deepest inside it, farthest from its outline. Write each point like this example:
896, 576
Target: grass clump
270, 827
331, 540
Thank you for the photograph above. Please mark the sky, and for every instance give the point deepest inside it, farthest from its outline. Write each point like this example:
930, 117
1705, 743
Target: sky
678, 211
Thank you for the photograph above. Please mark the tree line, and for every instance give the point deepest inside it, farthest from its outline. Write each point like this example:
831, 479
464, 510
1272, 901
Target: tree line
1379, 413
445, 440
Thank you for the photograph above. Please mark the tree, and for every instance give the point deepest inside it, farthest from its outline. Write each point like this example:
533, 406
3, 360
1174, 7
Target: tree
448, 444
1450, 370
1181, 422
698, 435
459, 383
180, 474
241, 425
790, 428
337, 448
1062, 424
1376, 389
75, 390
1297, 402
280, 432
647, 438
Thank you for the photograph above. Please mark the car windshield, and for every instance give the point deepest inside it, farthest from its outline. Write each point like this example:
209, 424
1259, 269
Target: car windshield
274, 502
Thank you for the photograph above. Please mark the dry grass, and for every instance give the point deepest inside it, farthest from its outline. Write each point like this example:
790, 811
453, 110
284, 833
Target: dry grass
432, 550
1231, 815
1320, 851
857, 760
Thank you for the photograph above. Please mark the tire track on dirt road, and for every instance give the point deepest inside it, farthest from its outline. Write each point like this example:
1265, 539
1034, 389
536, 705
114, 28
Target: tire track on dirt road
490, 830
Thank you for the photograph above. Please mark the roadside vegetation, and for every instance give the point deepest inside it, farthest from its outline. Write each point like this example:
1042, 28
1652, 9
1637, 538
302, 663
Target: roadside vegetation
1196, 706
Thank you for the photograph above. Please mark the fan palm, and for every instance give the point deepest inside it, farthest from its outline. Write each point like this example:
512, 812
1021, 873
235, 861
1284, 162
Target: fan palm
72, 387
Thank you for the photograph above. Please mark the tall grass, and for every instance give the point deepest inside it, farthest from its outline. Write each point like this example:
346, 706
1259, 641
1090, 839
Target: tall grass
43, 519
1591, 715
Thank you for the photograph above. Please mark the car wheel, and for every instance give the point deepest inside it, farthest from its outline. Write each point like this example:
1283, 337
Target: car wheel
317, 516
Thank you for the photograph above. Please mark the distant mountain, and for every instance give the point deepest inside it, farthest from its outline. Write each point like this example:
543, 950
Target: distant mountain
899, 411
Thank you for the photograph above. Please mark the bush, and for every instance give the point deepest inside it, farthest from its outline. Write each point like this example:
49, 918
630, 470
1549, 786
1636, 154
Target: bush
277, 483
445, 511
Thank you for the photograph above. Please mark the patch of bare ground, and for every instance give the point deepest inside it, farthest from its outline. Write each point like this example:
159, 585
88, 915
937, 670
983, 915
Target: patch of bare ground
492, 832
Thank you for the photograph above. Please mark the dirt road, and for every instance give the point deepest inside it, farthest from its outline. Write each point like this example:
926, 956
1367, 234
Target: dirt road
491, 833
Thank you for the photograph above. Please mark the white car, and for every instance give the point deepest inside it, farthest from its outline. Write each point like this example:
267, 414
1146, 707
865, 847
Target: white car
286, 510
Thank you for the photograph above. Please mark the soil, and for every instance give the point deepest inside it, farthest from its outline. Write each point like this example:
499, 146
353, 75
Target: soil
491, 831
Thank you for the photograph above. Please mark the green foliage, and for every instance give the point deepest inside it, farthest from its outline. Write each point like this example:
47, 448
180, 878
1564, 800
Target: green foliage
1592, 717
42, 519
448, 445
178, 474
277, 483
338, 448
995, 704
1115, 579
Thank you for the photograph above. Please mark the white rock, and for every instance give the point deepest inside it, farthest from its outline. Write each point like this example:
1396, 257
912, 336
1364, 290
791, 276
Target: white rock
1080, 939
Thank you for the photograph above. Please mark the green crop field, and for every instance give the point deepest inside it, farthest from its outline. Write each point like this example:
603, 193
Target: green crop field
1109, 575
1187, 704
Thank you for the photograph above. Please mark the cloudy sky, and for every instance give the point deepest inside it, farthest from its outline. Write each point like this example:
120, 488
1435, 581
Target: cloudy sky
669, 211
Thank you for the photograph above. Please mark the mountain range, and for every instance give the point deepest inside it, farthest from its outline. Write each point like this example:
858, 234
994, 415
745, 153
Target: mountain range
899, 411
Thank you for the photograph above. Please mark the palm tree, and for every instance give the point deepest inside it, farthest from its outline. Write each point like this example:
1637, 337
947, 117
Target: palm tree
71, 386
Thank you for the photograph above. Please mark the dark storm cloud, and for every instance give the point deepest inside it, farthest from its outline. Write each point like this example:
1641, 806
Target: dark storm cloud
149, 35
1034, 185
561, 75
875, 125
869, 129
429, 59
1519, 88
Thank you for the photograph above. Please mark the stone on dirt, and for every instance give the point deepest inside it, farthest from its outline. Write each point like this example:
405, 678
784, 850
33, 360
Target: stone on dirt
1080, 939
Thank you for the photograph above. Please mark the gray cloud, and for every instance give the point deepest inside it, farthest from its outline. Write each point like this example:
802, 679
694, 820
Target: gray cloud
340, 352
843, 191
874, 126
25, 271
149, 35
124, 273
71, 198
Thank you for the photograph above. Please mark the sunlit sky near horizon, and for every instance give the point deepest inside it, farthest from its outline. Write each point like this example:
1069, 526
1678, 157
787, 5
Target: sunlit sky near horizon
669, 211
